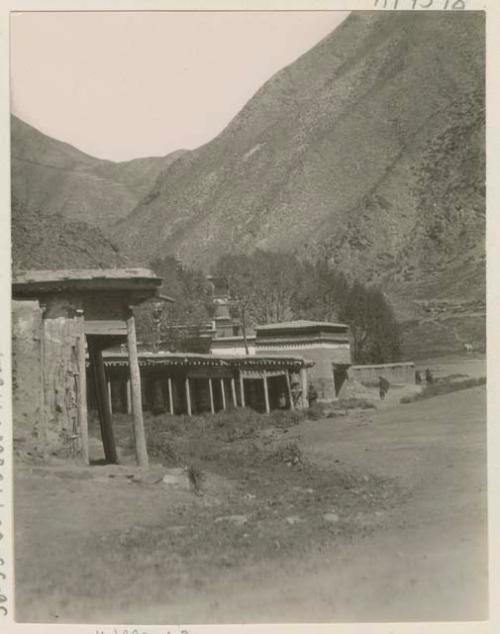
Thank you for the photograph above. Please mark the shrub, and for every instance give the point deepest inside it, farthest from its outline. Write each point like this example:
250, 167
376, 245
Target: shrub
287, 418
327, 410
290, 454
196, 478
316, 411
177, 440
353, 403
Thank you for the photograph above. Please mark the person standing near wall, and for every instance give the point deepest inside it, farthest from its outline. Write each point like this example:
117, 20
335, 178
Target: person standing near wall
383, 387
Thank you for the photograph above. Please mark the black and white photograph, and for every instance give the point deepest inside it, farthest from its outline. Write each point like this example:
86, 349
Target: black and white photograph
248, 318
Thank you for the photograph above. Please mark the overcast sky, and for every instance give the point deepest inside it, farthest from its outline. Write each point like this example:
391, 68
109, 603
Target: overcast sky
124, 85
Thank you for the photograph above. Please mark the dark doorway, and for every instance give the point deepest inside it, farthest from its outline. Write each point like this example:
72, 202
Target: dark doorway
96, 345
339, 377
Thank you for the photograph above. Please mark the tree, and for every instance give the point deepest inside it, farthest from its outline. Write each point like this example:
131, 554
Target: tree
270, 287
320, 292
375, 332
181, 323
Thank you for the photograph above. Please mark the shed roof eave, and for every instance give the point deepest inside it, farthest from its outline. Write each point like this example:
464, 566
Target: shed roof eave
142, 284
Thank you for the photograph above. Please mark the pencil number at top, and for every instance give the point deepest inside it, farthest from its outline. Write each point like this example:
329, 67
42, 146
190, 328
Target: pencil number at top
454, 5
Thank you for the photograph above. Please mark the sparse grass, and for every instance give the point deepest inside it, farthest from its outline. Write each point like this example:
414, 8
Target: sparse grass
352, 403
330, 410
178, 542
443, 387
231, 435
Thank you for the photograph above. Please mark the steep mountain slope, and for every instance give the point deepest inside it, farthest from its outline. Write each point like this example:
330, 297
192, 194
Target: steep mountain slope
339, 149
55, 178
368, 150
51, 242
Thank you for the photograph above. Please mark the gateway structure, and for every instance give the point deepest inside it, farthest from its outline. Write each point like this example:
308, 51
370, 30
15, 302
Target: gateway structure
326, 344
57, 317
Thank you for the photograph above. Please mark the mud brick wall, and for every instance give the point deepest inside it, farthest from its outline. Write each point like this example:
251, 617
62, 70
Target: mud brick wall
321, 373
27, 378
61, 382
395, 373
46, 382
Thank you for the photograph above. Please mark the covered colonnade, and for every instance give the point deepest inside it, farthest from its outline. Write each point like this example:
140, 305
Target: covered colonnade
182, 383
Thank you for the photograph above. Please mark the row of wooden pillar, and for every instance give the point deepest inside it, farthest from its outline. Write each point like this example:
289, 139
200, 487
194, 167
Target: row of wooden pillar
187, 386
134, 398
211, 382
242, 400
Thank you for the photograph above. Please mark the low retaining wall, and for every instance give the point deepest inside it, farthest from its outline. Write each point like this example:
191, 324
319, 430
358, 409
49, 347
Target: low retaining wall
395, 373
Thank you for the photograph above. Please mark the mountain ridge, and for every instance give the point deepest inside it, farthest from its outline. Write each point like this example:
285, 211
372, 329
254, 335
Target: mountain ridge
54, 177
367, 151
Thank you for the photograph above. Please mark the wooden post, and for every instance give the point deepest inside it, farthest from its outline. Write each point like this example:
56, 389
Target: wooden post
233, 391
223, 394
105, 419
304, 386
129, 398
82, 397
188, 396
141, 450
242, 390
211, 391
266, 392
158, 400
43, 404
289, 388
110, 397
170, 396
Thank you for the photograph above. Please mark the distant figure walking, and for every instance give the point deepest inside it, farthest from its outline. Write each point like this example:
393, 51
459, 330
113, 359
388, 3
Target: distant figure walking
418, 378
383, 387
429, 379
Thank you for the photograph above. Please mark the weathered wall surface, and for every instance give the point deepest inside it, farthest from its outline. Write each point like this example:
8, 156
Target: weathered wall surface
46, 382
27, 382
62, 385
395, 373
323, 356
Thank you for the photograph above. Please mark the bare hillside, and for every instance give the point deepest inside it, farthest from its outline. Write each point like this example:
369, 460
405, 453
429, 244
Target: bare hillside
51, 242
55, 178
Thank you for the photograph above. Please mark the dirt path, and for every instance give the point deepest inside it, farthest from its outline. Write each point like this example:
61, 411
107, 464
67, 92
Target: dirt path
428, 561
414, 547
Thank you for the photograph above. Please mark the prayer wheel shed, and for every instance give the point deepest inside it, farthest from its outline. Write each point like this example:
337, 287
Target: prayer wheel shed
86, 309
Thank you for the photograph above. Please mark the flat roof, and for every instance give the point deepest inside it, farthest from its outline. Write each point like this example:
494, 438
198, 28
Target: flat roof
233, 339
299, 324
31, 282
193, 358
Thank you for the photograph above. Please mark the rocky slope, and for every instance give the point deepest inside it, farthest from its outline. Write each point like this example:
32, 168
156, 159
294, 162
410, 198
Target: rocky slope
55, 178
42, 241
368, 150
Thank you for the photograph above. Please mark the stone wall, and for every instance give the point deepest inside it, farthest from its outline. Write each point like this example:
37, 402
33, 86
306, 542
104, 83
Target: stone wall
395, 373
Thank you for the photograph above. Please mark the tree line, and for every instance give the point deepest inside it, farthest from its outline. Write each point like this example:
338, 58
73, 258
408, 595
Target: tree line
268, 287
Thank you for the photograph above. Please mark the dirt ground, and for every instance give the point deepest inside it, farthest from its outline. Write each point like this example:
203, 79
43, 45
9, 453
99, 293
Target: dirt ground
472, 365
385, 520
